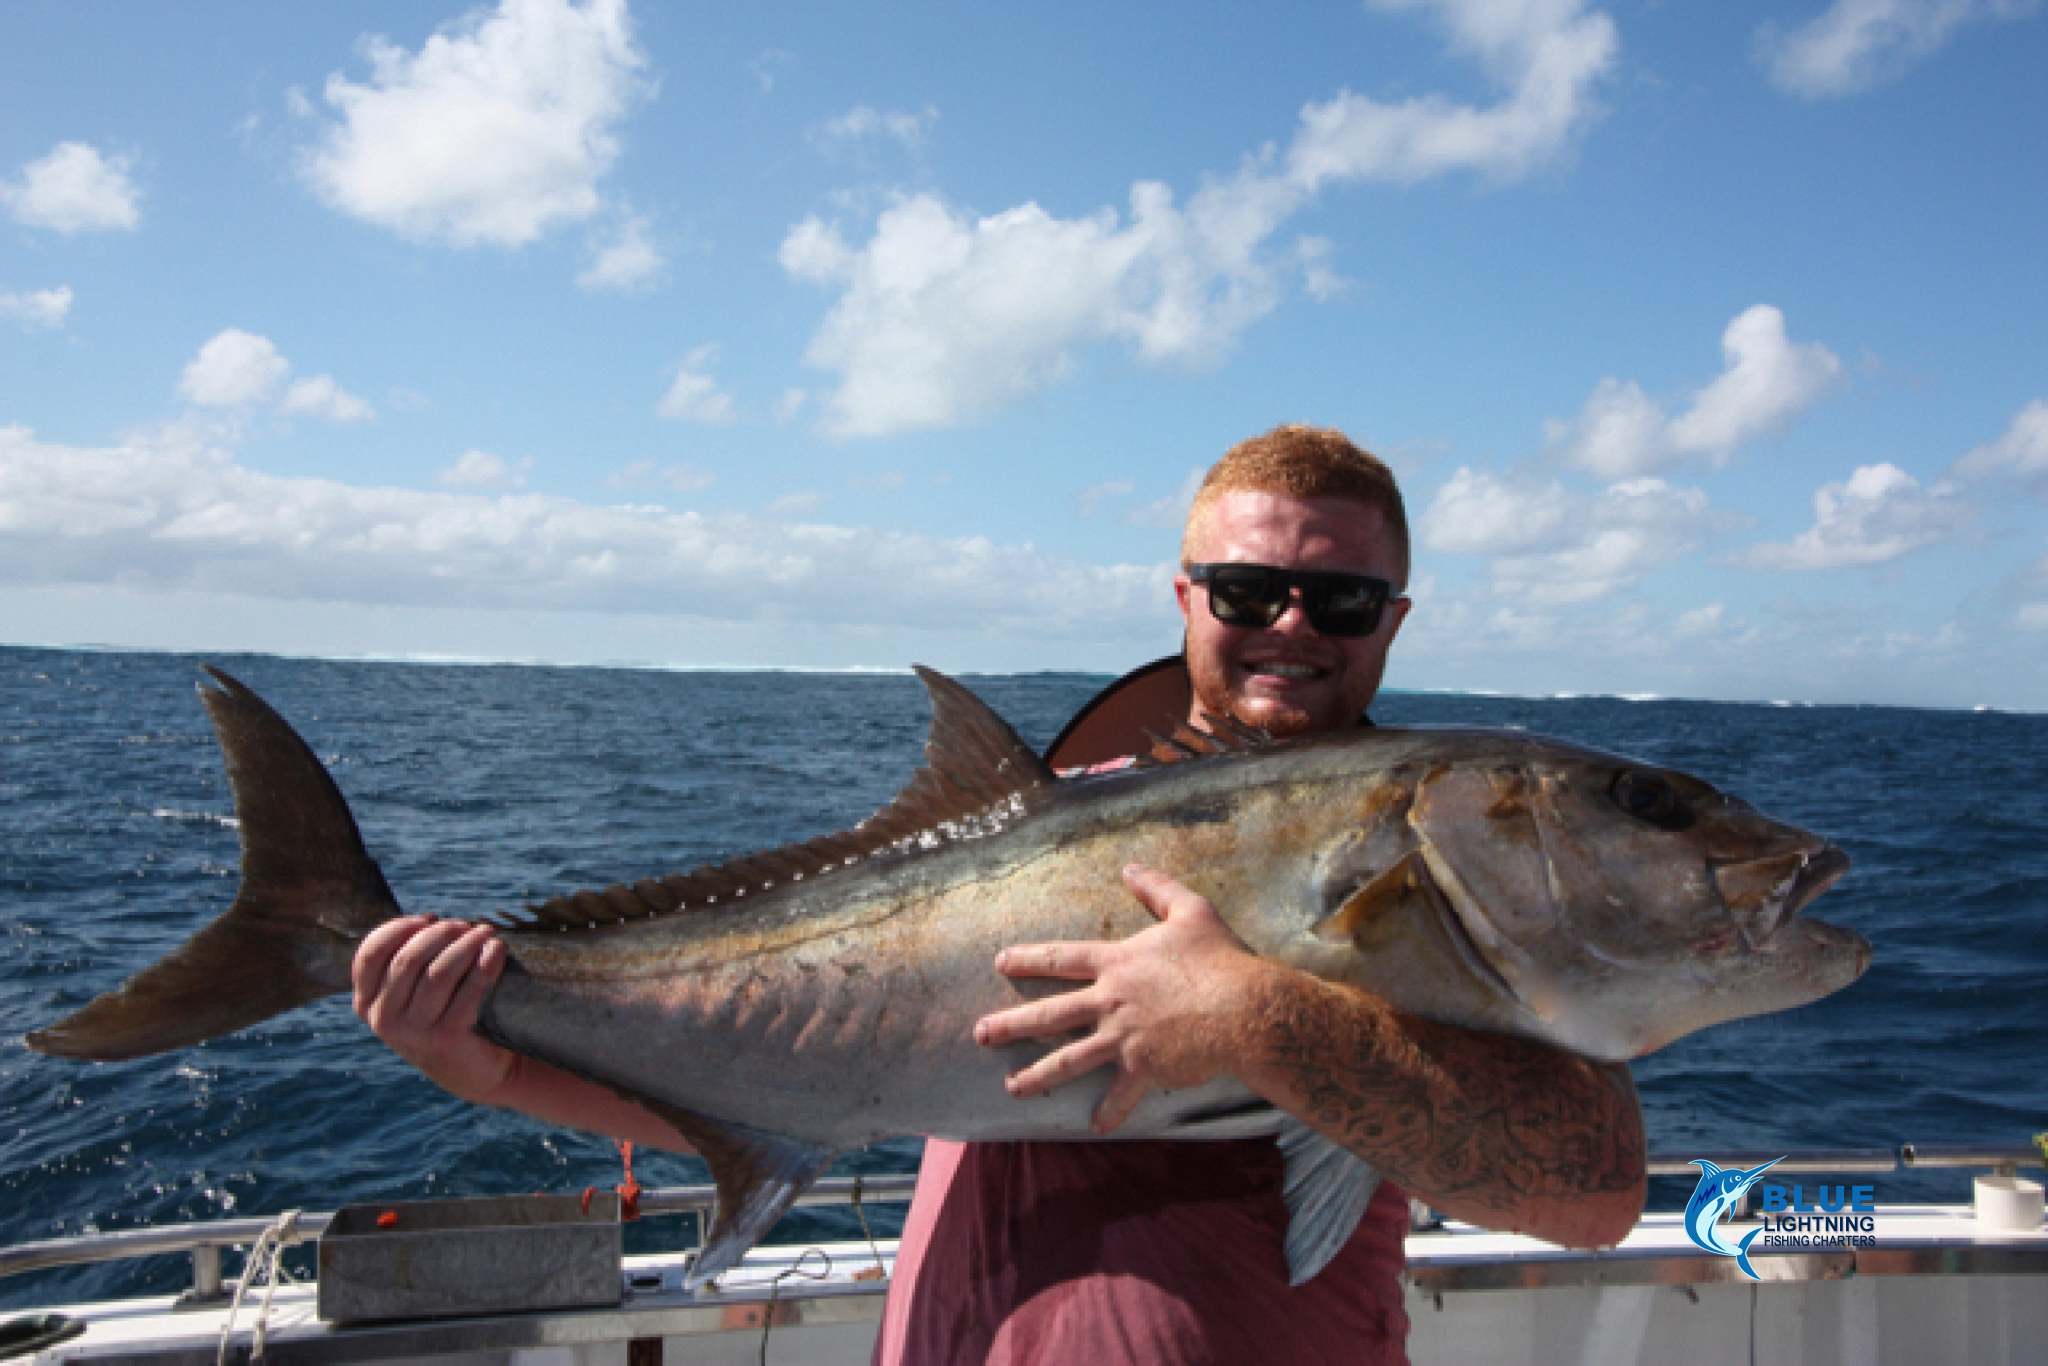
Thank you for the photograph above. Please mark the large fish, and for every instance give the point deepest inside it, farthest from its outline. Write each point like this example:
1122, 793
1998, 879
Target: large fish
790, 1005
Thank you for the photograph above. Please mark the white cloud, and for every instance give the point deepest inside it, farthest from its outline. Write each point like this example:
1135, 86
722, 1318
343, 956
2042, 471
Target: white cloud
1896, 644
1856, 44
943, 315
626, 260
648, 474
2022, 450
694, 396
1879, 513
38, 308
1546, 54
237, 369
1700, 621
1318, 277
790, 404
1169, 512
73, 189
498, 129
1619, 431
1090, 500
800, 504
321, 397
2033, 615
1767, 379
232, 370
176, 514
1475, 513
480, 470
863, 124
769, 66
1550, 546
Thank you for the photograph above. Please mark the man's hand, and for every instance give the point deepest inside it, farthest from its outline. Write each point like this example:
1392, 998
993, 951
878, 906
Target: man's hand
1167, 1006
1502, 1131
419, 984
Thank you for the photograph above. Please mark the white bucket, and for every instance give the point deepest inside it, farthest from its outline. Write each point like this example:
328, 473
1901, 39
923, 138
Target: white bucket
2008, 1204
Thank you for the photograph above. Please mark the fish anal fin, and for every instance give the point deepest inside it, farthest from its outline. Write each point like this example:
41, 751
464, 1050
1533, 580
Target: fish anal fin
758, 1174
1326, 1187
1403, 885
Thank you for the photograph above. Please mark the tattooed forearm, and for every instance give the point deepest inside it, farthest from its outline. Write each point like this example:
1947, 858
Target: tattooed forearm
1497, 1130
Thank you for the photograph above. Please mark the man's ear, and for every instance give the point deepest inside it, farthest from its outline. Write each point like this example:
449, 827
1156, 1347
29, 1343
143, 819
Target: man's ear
1183, 590
1398, 612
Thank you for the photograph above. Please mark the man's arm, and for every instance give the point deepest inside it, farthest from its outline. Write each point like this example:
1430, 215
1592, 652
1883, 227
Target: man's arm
419, 984
1500, 1131
1497, 1130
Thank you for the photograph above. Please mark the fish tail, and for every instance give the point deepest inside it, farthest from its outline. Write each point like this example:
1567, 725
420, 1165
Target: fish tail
1742, 1255
309, 893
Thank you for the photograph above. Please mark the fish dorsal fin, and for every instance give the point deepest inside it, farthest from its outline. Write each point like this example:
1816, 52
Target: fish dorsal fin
1216, 735
974, 765
978, 777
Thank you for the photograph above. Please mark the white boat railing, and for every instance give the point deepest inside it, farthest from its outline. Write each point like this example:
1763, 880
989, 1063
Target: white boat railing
205, 1241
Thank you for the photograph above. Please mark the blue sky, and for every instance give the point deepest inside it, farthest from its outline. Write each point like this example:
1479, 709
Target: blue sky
1710, 342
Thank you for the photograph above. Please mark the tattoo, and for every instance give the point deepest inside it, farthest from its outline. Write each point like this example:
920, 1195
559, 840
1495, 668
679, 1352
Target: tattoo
1500, 1130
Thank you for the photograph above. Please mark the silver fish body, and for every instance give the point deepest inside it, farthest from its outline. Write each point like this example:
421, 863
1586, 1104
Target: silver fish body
790, 1005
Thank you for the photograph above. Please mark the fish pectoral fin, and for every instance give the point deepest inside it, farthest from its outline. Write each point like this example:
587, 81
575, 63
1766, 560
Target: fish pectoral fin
758, 1175
1386, 894
1326, 1187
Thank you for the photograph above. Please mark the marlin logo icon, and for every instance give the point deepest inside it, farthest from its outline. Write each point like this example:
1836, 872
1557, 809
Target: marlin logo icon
1712, 1200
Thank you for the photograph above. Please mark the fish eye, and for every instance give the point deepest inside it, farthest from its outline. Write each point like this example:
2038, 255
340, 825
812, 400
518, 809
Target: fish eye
1648, 797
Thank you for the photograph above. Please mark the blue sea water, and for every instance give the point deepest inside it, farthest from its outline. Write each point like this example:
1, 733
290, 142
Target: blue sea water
484, 787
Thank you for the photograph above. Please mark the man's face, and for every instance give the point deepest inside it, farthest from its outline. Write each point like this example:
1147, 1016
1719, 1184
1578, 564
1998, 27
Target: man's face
1288, 677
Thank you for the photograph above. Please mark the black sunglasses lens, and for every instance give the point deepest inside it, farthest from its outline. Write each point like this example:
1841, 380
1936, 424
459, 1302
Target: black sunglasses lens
1257, 595
1343, 607
1248, 595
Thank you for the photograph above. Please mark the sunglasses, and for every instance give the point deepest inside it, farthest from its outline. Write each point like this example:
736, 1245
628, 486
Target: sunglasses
1258, 594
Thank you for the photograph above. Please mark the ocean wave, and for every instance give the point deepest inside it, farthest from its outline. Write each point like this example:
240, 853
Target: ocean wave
172, 813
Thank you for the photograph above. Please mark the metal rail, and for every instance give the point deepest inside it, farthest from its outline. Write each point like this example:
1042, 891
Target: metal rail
2003, 1161
204, 1241
1804, 1160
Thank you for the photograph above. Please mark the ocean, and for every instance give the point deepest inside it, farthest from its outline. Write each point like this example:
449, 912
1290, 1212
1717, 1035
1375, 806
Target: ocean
483, 787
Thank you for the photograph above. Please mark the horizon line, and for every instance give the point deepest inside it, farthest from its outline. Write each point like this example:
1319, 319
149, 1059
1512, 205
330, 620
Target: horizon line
878, 670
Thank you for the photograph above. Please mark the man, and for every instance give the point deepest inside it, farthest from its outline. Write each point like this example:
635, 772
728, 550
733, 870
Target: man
1170, 1251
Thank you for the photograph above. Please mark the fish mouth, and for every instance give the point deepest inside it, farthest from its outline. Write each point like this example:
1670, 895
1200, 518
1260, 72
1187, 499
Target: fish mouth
1763, 894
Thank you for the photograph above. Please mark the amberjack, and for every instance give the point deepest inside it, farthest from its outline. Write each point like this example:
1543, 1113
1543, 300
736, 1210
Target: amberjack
796, 1003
